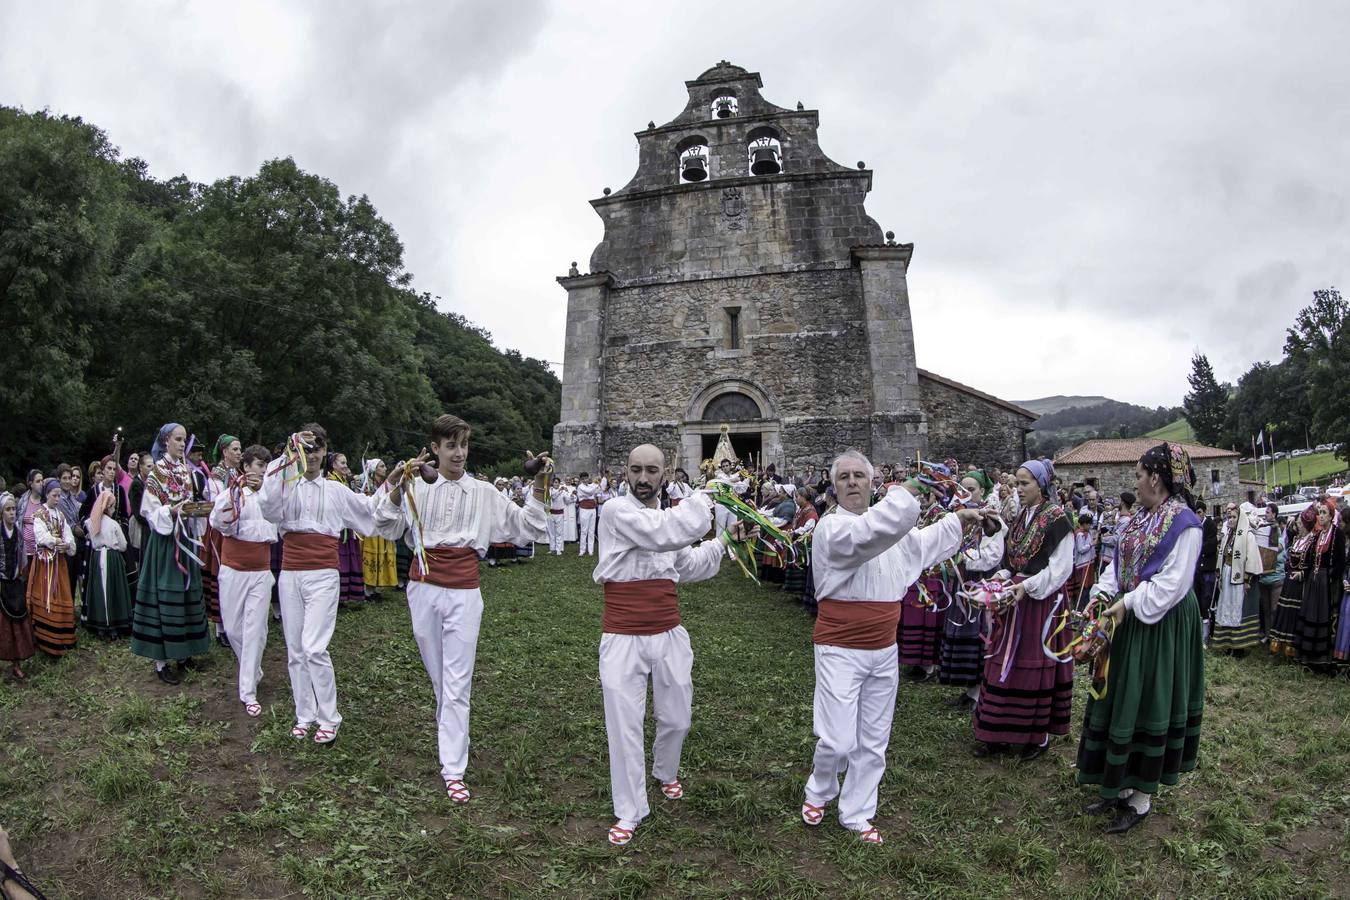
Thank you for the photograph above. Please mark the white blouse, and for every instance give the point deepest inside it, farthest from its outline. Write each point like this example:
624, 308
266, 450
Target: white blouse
638, 543
45, 537
1151, 599
877, 555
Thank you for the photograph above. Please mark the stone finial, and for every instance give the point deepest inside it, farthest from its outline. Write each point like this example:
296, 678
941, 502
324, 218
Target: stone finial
574, 271
800, 106
606, 192
890, 240
651, 123
861, 164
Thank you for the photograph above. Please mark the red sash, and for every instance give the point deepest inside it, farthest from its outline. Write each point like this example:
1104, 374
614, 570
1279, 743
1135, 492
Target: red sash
642, 607
675, 501
245, 556
451, 567
556, 512
857, 624
586, 504
307, 551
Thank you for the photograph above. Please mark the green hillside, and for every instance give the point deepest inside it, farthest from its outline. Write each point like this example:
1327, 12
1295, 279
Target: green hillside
1180, 430
1305, 469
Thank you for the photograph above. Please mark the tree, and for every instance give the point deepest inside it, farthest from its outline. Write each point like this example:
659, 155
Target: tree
1316, 347
1206, 406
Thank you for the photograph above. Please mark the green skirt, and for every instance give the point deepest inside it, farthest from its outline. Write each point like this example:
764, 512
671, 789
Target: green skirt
1146, 730
106, 608
169, 619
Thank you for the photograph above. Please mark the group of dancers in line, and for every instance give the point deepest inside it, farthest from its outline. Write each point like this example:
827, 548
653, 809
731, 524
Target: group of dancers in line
866, 555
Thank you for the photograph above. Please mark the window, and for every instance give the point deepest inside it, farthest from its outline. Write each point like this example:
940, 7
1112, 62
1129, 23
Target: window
1214, 476
734, 328
732, 407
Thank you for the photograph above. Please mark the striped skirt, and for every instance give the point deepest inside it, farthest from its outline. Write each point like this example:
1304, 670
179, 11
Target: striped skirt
1146, 730
920, 631
51, 606
169, 619
351, 570
106, 608
1035, 698
1237, 615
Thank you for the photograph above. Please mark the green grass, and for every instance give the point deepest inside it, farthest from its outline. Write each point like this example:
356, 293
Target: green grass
1180, 430
1305, 469
114, 785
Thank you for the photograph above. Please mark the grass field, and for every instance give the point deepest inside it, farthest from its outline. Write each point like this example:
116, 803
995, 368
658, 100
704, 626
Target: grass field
1180, 430
1305, 469
115, 785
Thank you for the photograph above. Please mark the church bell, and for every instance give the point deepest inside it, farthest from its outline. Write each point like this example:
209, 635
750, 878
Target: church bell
695, 168
764, 161
725, 107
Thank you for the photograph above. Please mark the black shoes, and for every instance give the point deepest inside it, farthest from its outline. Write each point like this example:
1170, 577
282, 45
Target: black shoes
918, 676
1032, 751
983, 751
168, 676
1127, 819
961, 702
1104, 805
187, 665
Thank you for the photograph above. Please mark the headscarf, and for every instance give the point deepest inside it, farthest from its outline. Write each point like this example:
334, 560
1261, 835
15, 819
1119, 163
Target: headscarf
222, 442
1043, 470
158, 449
48, 486
7, 497
983, 480
1170, 462
1309, 517
1334, 515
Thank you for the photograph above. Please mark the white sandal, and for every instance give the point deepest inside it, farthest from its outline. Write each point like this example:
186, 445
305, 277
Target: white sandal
672, 789
326, 735
870, 836
620, 836
457, 791
253, 709
811, 814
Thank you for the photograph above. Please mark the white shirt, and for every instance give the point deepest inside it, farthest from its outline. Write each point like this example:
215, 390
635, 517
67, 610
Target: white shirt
877, 555
638, 543
1151, 599
45, 538
318, 505
251, 525
678, 490
462, 513
587, 490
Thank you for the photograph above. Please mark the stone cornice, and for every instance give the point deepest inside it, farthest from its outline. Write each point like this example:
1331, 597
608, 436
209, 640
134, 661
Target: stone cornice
885, 252
590, 279
744, 122
738, 181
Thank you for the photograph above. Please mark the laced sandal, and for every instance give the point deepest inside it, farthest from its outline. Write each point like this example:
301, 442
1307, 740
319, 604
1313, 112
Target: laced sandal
300, 732
253, 709
620, 836
672, 789
870, 836
325, 735
811, 814
457, 791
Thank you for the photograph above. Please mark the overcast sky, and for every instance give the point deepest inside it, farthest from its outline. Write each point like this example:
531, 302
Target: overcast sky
1093, 191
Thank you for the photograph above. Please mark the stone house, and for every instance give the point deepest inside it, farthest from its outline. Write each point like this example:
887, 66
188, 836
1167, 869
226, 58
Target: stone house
1109, 466
741, 283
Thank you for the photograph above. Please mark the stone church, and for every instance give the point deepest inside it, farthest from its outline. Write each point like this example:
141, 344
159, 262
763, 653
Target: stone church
740, 282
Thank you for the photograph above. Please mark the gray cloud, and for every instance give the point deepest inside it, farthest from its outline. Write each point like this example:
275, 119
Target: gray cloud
1093, 192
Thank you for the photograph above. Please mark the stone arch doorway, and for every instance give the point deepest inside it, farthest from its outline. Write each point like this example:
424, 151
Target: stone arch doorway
751, 418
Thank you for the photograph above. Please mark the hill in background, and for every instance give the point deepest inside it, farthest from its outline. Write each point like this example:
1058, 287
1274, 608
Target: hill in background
1058, 403
1069, 420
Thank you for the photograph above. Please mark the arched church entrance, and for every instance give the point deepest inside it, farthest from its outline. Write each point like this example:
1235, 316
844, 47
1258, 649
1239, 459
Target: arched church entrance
747, 413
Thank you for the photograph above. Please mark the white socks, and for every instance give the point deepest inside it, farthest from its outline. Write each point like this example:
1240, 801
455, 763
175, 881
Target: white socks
159, 665
973, 692
1138, 800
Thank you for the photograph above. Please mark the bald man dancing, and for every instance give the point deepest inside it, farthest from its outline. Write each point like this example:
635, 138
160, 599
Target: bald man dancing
864, 560
644, 552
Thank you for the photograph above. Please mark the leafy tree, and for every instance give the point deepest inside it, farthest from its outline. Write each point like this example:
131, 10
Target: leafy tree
1206, 406
1316, 347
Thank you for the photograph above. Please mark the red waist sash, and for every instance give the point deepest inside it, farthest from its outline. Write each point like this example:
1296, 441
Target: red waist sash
586, 504
306, 551
556, 512
245, 556
857, 624
451, 567
675, 501
642, 607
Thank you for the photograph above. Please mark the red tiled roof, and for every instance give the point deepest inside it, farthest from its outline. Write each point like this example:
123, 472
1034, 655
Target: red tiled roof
1128, 450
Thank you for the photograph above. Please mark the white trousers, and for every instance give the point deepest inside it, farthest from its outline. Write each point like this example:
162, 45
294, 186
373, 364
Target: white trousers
445, 625
626, 662
245, 600
854, 705
555, 532
722, 518
309, 602
586, 524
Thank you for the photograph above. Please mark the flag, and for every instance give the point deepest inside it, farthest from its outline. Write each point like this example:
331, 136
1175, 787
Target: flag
1261, 439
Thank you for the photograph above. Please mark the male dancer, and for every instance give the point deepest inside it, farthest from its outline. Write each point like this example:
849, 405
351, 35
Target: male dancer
245, 570
457, 518
310, 512
644, 552
864, 560
557, 507
586, 505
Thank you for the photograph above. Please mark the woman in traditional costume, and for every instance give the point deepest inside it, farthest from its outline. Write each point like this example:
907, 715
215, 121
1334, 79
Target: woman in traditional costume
49, 589
378, 556
169, 618
1237, 611
1145, 729
16, 625
1303, 617
106, 608
1026, 695
351, 562
923, 614
963, 634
